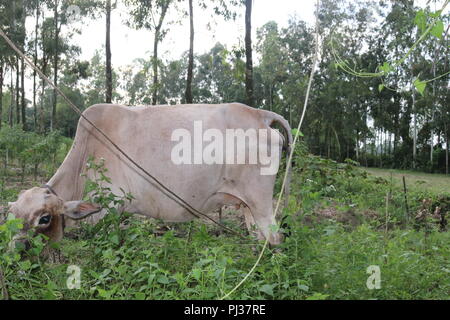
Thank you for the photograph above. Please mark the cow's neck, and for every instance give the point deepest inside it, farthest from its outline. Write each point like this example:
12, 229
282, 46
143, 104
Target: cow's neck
67, 182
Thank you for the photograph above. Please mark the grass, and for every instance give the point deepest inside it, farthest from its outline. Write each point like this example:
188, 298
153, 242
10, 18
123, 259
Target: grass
324, 257
434, 182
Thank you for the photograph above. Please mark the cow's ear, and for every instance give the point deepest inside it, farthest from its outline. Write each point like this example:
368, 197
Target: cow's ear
78, 210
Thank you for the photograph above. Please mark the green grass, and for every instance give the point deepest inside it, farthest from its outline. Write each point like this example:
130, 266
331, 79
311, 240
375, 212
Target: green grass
434, 182
323, 258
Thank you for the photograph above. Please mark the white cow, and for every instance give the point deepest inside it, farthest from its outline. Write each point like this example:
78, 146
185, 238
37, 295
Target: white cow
152, 136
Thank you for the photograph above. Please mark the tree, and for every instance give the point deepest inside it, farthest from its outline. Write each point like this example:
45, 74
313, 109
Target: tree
95, 74
188, 92
221, 8
1, 91
108, 53
57, 29
35, 60
151, 14
248, 54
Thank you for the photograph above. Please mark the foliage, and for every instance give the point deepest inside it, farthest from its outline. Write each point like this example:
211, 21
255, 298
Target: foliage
394, 117
125, 257
30, 149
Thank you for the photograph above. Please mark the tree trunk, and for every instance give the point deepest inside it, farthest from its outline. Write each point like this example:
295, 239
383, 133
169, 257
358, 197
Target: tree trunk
55, 67
36, 30
248, 54
155, 52
108, 53
22, 88
1, 93
446, 149
45, 58
432, 111
415, 128
188, 93
155, 69
22, 67
11, 104
365, 151
17, 91
41, 109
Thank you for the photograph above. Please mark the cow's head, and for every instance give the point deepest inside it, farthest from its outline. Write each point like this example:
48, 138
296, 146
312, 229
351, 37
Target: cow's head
42, 212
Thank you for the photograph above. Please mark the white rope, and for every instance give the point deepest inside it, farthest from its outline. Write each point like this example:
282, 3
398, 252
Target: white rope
297, 134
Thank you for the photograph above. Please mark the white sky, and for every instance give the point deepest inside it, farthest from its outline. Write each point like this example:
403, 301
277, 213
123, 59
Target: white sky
128, 44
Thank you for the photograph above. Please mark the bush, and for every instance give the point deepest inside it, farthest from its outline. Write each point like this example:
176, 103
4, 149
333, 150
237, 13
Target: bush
31, 150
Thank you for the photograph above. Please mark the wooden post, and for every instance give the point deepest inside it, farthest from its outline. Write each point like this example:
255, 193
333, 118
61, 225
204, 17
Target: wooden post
406, 200
387, 213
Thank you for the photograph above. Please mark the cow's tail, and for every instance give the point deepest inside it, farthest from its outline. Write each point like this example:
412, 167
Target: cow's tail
271, 118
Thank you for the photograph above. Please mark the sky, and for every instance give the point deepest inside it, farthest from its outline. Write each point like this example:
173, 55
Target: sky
128, 44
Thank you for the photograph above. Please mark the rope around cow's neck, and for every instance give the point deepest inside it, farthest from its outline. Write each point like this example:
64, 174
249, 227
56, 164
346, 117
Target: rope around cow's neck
196, 213
297, 134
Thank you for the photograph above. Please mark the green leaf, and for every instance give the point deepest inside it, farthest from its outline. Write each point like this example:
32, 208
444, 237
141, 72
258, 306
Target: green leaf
386, 67
104, 293
25, 265
273, 228
317, 296
196, 273
438, 29
114, 239
162, 279
139, 296
421, 20
294, 132
435, 14
380, 87
267, 289
303, 287
420, 86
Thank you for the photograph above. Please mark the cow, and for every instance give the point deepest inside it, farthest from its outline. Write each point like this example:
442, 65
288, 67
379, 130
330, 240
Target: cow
146, 134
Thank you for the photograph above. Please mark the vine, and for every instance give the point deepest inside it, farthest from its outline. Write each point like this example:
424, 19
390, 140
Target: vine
435, 28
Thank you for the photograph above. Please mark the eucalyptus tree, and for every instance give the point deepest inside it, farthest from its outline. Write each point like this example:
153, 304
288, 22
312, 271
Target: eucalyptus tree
12, 22
73, 71
136, 79
248, 54
272, 66
224, 8
5, 52
96, 9
173, 75
96, 90
220, 76
37, 8
108, 72
190, 69
56, 52
151, 15
46, 48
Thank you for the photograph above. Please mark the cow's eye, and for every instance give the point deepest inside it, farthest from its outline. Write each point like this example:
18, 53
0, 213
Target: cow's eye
45, 219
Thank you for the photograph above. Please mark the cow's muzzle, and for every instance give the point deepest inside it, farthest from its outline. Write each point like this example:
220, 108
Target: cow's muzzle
20, 244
